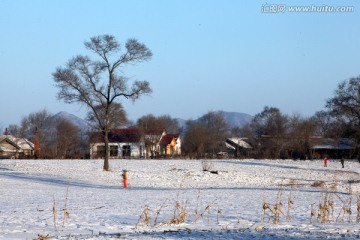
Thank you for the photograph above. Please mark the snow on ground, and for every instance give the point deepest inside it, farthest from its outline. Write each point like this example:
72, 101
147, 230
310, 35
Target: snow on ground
176, 199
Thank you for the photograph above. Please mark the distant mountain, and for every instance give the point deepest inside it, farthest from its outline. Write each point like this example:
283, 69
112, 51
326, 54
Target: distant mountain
236, 119
76, 121
181, 122
233, 119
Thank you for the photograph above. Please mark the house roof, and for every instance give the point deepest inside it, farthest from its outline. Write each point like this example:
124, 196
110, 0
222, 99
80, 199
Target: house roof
166, 139
137, 131
330, 143
7, 145
127, 135
18, 143
24, 144
237, 142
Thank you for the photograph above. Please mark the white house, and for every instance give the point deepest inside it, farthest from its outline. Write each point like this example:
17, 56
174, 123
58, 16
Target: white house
13, 147
128, 143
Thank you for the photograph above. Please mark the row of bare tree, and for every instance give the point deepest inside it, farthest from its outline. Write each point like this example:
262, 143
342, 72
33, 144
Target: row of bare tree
58, 138
272, 133
277, 135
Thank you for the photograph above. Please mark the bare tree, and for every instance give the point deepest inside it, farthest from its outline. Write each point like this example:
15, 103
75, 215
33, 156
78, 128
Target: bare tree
300, 131
117, 116
345, 105
14, 130
323, 123
218, 130
99, 83
195, 139
34, 120
68, 140
270, 129
164, 122
329, 125
36, 123
206, 135
346, 101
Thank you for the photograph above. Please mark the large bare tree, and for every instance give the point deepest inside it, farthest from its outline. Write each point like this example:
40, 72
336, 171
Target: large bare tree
99, 83
346, 102
345, 106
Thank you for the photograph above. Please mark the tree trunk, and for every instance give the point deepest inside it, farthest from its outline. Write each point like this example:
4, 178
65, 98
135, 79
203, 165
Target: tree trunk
36, 144
106, 159
106, 139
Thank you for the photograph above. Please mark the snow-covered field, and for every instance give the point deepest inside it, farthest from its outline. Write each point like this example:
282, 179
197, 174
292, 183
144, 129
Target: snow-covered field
176, 199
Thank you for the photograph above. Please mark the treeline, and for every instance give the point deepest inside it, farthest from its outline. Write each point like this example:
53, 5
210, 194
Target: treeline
271, 133
58, 138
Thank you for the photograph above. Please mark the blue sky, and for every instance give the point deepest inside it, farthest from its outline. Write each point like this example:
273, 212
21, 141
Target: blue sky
208, 54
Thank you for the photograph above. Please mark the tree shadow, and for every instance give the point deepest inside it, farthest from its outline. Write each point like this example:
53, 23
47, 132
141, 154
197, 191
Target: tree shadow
82, 184
5, 169
276, 165
53, 181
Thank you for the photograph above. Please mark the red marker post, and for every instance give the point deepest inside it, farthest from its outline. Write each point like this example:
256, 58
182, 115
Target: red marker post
125, 176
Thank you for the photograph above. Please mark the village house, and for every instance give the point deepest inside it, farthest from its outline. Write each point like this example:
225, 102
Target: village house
170, 145
238, 147
315, 147
15, 148
332, 148
134, 143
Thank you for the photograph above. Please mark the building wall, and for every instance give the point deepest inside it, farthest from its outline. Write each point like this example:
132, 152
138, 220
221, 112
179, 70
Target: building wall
178, 147
174, 148
12, 147
137, 150
8, 150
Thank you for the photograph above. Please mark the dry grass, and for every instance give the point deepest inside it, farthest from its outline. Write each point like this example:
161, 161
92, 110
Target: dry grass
324, 212
275, 210
358, 208
346, 203
66, 213
320, 184
290, 203
292, 183
144, 219
43, 237
158, 212
180, 213
325, 207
